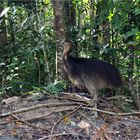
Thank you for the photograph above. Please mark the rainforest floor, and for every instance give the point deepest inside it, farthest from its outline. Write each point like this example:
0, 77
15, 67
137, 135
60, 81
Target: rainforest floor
42, 116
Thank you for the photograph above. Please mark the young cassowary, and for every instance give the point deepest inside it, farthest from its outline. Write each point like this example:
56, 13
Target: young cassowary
89, 73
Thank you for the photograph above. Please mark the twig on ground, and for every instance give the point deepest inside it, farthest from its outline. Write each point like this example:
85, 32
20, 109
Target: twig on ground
76, 97
116, 97
29, 124
70, 113
63, 134
4, 122
72, 97
83, 115
113, 113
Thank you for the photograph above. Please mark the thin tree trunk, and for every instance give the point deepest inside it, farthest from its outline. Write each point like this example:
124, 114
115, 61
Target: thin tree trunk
92, 16
11, 24
3, 38
131, 45
138, 78
130, 75
59, 34
47, 68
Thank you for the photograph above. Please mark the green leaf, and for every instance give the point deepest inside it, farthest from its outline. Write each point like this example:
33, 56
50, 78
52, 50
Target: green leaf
110, 16
132, 32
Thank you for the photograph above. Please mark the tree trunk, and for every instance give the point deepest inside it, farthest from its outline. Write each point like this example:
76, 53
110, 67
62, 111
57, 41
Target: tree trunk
131, 62
59, 34
70, 17
130, 76
3, 38
70, 23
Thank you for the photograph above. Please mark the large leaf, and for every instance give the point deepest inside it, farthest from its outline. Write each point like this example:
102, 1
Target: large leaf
4, 11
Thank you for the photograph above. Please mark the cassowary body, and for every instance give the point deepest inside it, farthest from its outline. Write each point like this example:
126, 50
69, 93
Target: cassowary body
91, 74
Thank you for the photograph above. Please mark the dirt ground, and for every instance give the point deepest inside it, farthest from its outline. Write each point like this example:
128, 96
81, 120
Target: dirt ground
43, 117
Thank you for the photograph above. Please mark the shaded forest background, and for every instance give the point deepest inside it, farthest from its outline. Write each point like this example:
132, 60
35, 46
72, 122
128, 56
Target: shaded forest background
102, 29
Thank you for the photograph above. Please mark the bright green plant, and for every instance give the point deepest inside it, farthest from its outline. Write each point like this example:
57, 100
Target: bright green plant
56, 87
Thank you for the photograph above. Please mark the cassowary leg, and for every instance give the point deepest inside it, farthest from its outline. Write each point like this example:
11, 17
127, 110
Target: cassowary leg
95, 97
94, 102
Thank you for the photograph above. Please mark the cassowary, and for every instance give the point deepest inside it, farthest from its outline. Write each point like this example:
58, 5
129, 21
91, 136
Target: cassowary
89, 73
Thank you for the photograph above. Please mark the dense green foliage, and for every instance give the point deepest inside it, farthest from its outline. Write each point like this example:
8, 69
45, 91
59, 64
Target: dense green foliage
108, 30
30, 50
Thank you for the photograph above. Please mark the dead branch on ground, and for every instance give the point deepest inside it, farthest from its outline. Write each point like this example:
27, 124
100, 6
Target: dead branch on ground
26, 109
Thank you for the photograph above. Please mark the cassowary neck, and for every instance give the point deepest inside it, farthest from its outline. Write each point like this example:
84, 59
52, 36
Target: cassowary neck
66, 52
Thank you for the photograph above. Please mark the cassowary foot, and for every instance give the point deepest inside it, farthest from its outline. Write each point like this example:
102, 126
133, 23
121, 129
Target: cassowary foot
93, 104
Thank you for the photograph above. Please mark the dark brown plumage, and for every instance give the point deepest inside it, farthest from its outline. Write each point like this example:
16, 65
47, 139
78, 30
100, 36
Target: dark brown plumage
88, 73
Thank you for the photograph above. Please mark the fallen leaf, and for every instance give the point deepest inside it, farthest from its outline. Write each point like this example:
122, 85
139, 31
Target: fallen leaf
101, 133
84, 125
66, 119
